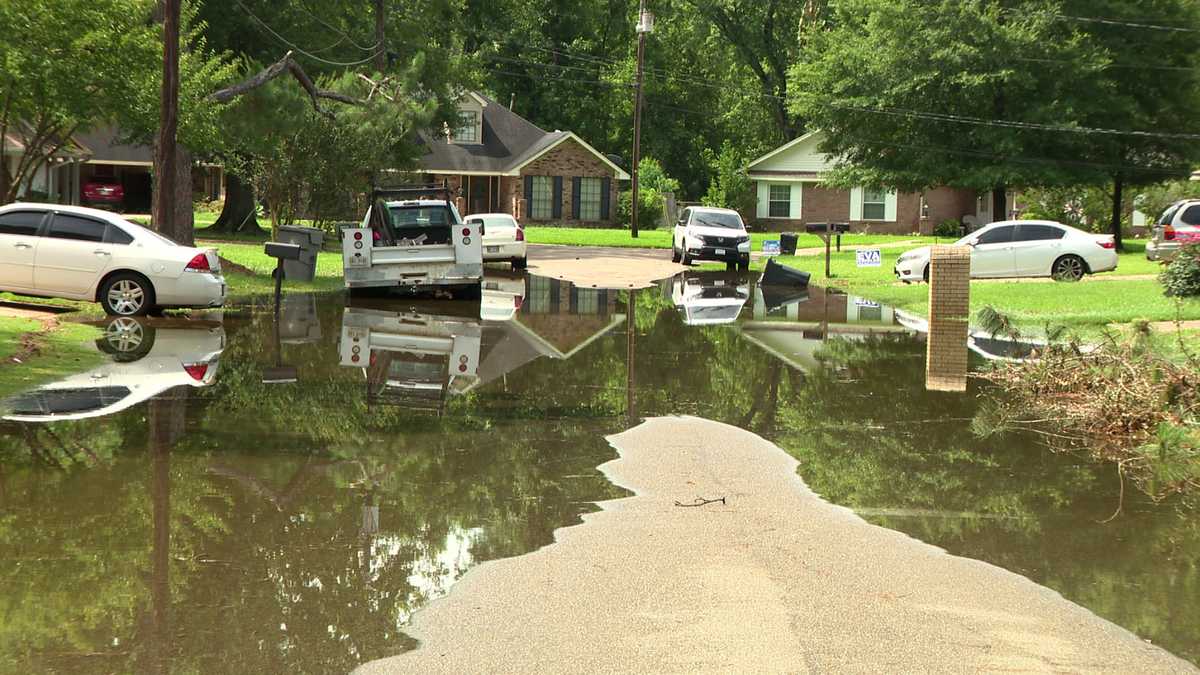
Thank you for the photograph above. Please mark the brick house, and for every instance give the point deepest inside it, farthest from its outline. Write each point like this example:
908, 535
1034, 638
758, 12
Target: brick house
499, 162
791, 193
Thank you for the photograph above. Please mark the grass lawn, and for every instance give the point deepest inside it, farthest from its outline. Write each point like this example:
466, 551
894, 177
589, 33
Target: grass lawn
620, 238
61, 352
1087, 306
252, 257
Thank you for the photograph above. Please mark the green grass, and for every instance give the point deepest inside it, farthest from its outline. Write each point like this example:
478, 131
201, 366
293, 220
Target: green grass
1088, 306
620, 238
61, 352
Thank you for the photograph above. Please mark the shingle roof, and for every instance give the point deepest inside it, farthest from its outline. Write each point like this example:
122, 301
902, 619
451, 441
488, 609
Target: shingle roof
507, 137
105, 146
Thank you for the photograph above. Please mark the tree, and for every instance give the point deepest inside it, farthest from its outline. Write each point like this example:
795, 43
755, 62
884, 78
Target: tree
731, 186
65, 66
985, 95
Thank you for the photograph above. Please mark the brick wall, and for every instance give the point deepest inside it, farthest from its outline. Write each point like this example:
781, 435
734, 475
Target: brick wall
945, 204
949, 313
825, 204
568, 160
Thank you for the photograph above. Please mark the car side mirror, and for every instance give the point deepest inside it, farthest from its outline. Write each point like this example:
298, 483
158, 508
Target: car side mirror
973, 243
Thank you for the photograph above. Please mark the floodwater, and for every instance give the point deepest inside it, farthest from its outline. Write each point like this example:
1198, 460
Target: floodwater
237, 494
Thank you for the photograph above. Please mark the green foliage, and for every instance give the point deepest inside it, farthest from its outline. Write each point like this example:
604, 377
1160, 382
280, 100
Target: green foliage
948, 228
1181, 277
651, 208
1156, 198
730, 186
1088, 208
651, 176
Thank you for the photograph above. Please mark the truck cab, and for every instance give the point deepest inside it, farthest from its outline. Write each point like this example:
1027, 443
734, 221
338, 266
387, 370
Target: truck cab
413, 238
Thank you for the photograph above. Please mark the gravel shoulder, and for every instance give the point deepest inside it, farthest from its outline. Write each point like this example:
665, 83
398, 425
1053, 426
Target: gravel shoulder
772, 580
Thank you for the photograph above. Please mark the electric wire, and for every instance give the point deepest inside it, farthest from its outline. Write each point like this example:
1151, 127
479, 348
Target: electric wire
300, 50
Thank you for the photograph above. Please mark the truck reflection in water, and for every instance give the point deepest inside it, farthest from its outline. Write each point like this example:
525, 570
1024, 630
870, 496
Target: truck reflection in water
144, 357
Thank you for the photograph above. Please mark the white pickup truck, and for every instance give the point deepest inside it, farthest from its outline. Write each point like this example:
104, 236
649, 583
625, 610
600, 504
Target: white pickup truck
409, 240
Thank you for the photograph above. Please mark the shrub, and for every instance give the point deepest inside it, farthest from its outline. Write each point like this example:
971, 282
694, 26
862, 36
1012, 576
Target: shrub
650, 208
949, 228
731, 186
1181, 278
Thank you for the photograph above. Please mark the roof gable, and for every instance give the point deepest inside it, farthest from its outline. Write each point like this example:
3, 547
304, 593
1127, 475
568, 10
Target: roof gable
801, 155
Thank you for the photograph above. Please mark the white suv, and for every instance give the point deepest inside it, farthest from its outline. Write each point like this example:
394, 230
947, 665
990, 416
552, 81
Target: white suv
1178, 226
709, 233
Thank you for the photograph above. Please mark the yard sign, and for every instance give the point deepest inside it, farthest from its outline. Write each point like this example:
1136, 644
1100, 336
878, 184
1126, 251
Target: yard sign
771, 247
868, 257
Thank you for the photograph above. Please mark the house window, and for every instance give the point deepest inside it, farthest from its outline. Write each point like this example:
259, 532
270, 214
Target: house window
468, 127
589, 199
874, 206
542, 207
780, 204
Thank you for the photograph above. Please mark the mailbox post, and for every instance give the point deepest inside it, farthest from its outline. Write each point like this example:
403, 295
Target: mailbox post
826, 231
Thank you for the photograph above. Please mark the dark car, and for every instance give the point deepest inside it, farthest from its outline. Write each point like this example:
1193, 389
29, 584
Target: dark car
103, 193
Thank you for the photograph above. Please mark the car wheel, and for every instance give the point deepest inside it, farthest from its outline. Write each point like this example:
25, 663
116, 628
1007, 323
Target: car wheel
674, 255
744, 264
126, 294
126, 339
1068, 268
730, 267
685, 259
925, 274
519, 264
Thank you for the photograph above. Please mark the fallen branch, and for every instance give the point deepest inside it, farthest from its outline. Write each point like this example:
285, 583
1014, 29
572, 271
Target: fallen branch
285, 65
700, 501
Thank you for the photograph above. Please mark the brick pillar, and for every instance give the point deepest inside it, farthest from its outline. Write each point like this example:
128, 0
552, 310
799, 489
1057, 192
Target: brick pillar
949, 314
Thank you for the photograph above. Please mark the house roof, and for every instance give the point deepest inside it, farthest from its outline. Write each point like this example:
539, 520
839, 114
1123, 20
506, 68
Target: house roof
509, 143
14, 143
799, 158
106, 148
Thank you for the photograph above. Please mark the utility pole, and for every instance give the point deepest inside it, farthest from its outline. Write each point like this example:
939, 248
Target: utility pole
645, 25
381, 54
165, 149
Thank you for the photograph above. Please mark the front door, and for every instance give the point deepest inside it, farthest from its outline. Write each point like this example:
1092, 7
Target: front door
478, 193
72, 255
18, 246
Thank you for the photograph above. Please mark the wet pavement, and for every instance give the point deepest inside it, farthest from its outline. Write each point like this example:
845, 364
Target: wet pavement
237, 495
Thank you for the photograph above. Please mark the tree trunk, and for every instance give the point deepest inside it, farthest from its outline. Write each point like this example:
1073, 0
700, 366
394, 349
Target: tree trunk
179, 224
999, 203
1115, 225
241, 210
164, 210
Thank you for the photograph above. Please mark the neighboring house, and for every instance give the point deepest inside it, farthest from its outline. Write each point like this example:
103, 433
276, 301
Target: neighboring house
791, 193
500, 162
57, 179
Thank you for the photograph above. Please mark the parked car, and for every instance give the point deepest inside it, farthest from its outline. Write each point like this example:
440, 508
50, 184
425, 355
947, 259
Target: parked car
503, 238
146, 358
1178, 226
1023, 248
79, 253
104, 192
708, 233
709, 299
416, 243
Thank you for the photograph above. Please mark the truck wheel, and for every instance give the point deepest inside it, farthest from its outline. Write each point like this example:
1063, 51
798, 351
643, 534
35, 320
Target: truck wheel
519, 264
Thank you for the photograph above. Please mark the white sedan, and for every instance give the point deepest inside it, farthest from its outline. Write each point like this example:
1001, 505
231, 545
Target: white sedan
503, 238
1023, 248
50, 250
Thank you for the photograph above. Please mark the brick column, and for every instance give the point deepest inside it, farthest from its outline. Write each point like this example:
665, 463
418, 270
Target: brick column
949, 314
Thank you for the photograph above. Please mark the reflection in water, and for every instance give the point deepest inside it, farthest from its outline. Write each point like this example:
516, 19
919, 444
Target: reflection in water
243, 527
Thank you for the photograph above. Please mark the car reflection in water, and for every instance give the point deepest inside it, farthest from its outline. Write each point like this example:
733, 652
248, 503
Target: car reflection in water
710, 298
146, 357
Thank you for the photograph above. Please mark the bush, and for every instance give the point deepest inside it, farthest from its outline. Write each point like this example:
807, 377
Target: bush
650, 208
949, 228
731, 186
1181, 278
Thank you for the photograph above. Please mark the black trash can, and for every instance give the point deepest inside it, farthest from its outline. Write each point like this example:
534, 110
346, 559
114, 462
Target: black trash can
310, 240
787, 243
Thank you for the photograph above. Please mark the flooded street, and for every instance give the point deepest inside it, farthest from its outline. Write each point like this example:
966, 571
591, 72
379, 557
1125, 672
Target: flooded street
238, 494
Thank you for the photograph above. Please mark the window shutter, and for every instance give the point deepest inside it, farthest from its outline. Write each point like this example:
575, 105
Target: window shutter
558, 189
528, 198
889, 207
605, 197
794, 207
856, 196
576, 185
764, 199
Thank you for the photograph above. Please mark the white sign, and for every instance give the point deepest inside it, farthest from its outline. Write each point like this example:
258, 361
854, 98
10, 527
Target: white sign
771, 247
868, 257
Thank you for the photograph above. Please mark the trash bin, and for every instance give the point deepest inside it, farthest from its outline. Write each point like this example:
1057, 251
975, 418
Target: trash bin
310, 240
787, 243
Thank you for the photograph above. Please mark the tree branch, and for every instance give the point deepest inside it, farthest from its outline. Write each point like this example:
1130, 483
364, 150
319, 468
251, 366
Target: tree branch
285, 65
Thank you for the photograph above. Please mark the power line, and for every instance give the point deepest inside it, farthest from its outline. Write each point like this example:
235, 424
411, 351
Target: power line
300, 50
344, 34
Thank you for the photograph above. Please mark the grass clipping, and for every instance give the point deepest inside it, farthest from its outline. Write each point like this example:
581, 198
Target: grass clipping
1133, 399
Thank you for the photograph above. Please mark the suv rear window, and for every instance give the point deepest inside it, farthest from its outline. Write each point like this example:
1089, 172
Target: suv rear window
1167, 215
1191, 215
22, 223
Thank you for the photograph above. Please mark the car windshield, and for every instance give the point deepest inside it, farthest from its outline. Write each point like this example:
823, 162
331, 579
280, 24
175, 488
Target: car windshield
729, 221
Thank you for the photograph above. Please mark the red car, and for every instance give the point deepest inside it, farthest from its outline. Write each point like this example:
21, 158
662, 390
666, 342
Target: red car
103, 192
